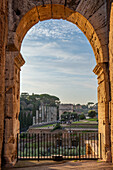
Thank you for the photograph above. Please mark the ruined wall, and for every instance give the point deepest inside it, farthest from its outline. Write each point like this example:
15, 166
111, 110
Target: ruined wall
13, 63
31, 12
111, 74
103, 107
91, 17
3, 38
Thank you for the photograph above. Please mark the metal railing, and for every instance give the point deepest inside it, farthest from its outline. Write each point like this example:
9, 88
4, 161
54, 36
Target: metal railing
72, 145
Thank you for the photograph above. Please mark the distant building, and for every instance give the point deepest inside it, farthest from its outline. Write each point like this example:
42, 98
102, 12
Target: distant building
77, 106
46, 114
65, 108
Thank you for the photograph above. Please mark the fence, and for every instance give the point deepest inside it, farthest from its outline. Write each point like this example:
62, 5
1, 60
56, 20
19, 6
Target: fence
58, 146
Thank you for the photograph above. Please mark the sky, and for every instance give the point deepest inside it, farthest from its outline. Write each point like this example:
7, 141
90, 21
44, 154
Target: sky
59, 61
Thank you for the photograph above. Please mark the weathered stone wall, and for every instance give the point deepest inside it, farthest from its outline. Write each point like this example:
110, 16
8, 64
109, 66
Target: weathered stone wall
65, 108
3, 38
92, 17
103, 107
79, 12
13, 63
111, 74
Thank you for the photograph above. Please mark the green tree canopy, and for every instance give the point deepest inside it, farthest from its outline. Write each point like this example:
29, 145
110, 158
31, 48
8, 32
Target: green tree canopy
82, 116
92, 113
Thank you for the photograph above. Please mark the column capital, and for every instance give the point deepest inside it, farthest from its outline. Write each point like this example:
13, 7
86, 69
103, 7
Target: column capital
19, 60
101, 71
100, 68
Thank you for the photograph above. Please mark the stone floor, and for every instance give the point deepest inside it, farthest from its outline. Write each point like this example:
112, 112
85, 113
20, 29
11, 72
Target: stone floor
63, 165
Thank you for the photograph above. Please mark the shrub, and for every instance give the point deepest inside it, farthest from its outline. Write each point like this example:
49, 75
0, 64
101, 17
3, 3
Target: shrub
92, 113
82, 116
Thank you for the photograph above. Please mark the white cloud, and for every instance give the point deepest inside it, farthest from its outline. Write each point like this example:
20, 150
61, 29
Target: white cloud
59, 61
59, 29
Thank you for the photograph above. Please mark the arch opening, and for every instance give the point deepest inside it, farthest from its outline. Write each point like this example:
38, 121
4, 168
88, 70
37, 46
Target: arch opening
66, 52
38, 53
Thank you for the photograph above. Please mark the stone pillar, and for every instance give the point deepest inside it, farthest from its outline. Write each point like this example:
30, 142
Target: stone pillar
47, 112
111, 74
103, 108
14, 61
3, 40
37, 115
42, 111
33, 120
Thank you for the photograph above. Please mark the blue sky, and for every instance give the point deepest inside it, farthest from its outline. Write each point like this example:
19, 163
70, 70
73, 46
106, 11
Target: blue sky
59, 61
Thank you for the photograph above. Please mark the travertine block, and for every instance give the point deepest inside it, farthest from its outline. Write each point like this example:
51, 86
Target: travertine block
44, 12
58, 12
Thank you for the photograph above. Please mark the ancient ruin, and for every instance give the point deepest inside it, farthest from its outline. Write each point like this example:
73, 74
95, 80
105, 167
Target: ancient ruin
95, 20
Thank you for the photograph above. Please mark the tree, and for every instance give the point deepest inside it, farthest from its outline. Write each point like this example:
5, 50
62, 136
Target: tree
90, 103
29, 120
82, 116
84, 106
57, 126
92, 113
25, 121
34, 110
21, 119
74, 116
78, 105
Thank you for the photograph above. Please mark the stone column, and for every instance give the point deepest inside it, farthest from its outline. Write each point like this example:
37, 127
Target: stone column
111, 74
103, 109
14, 61
33, 120
37, 117
42, 111
3, 39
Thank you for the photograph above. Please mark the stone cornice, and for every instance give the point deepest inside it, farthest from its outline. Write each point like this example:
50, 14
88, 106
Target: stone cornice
98, 68
19, 61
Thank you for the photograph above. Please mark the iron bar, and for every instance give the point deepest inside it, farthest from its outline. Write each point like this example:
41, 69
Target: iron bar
35, 145
72, 145
44, 144
79, 145
47, 146
94, 145
29, 145
85, 146
23, 145
26, 145
20, 145
32, 145
38, 146
88, 145
97, 146
100, 147
41, 145
17, 147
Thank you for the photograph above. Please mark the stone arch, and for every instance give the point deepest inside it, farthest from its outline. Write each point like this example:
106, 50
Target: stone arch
90, 17
41, 13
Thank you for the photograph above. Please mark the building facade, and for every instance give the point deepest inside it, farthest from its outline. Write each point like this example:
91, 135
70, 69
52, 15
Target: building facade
65, 108
45, 114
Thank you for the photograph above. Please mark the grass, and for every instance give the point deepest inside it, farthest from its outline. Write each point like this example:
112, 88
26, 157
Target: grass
44, 126
86, 121
92, 119
81, 122
83, 126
